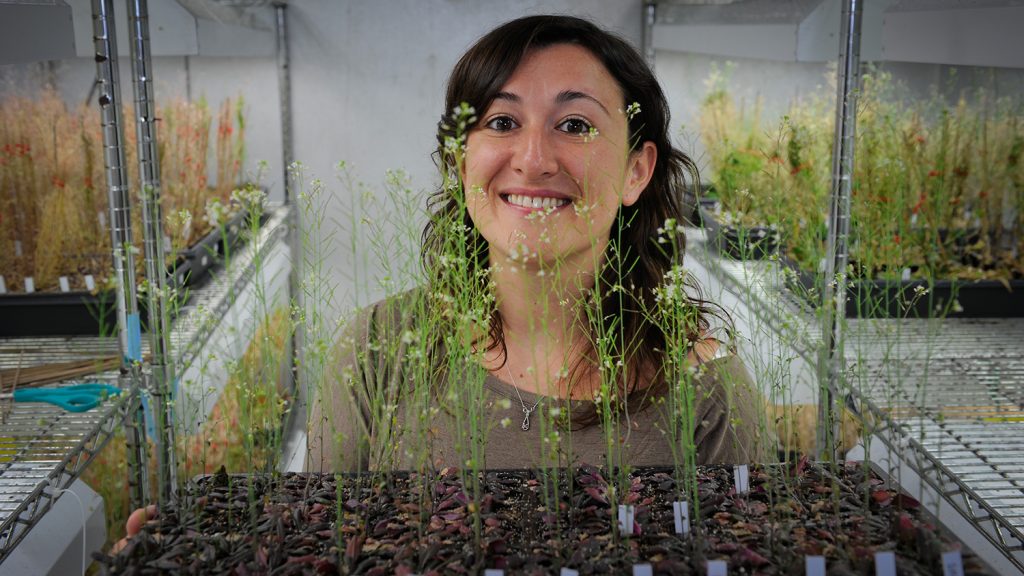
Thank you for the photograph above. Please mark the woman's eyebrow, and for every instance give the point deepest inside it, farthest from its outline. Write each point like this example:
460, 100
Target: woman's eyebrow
570, 95
508, 96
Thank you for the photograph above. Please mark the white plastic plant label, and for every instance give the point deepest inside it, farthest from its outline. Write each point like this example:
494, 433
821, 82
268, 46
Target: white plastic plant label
167, 243
626, 516
494, 572
952, 563
30, 285
17, 248
90, 282
205, 260
718, 568
568, 572
681, 512
741, 474
885, 563
643, 570
101, 217
65, 286
3, 285
814, 566
905, 274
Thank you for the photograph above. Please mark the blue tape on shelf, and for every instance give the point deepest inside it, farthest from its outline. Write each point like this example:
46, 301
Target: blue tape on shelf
148, 416
134, 351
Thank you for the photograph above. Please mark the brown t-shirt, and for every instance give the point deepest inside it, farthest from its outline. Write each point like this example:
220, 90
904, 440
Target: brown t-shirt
406, 427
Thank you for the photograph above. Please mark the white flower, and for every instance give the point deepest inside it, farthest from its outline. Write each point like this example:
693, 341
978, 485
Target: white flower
505, 422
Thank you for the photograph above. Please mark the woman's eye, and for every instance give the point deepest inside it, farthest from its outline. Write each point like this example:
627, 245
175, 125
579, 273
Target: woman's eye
501, 123
575, 126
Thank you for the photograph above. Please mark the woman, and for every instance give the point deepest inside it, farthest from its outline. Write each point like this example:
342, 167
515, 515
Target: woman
561, 183
560, 178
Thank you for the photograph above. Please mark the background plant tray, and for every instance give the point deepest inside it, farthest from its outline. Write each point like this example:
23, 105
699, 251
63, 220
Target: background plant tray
87, 314
896, 298
756, 243
536, 522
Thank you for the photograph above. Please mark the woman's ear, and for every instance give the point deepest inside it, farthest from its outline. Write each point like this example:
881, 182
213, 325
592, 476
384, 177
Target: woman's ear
639, 171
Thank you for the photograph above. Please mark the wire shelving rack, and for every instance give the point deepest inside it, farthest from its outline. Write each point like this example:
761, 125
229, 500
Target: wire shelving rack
945, 395
44, 449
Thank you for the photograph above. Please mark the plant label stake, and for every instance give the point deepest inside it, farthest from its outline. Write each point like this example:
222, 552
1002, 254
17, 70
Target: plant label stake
905, 275
3, 286
952, 563
626, 516
17, 248
30, 285
742, 475
568, 572
681, 511
494, 572
814, 566
718, 568
64, 285
167, 243
90, 282
102, 220
643, 570
885, 563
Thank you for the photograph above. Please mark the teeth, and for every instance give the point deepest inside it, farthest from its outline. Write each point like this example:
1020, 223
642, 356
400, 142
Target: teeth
536, 202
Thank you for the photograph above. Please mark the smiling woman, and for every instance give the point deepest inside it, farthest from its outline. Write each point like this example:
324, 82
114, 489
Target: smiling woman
554, 283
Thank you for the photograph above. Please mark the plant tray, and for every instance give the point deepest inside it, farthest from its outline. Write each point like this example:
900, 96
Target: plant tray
531, 522
756, 243
88, 314
897, 298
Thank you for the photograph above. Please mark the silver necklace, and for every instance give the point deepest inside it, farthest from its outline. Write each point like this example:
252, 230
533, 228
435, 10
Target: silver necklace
526, 411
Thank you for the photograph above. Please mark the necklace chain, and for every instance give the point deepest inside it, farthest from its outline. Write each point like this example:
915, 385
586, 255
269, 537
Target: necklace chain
526, 411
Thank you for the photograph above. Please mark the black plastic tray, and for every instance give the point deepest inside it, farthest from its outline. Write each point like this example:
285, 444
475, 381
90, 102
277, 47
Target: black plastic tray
87, 314
756, 243
898, 299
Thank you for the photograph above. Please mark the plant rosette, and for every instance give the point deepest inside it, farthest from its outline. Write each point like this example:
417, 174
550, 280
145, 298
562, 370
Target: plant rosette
528, 522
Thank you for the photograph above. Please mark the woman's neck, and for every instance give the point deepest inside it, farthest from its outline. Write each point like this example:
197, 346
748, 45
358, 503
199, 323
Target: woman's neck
542, 328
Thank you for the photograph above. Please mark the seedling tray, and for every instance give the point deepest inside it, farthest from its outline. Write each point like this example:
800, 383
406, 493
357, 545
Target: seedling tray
898, 298
531, 522
739, 243
88, 314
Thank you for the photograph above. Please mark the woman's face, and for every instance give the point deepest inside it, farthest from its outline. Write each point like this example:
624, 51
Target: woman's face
548, 164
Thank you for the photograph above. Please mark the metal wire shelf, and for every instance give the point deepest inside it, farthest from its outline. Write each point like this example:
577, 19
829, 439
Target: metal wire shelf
945, 395
43, 449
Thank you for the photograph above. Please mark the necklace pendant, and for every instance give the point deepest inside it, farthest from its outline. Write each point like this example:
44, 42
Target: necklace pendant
526, 420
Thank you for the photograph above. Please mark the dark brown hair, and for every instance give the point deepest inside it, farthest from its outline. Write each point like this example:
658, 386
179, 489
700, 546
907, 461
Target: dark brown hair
641, 263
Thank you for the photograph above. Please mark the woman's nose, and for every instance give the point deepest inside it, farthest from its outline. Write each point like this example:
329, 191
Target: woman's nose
533, 154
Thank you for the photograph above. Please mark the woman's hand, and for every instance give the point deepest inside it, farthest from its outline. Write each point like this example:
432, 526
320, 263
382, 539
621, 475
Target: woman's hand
134, 525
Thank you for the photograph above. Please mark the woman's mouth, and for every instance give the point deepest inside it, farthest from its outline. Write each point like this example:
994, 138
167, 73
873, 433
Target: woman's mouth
535, 202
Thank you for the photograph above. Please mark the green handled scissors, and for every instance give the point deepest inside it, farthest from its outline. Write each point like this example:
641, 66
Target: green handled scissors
75, 398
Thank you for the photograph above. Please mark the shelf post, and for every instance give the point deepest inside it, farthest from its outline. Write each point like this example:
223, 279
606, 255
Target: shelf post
129, 328
284, 84
650, 12
832, 363
161, 368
